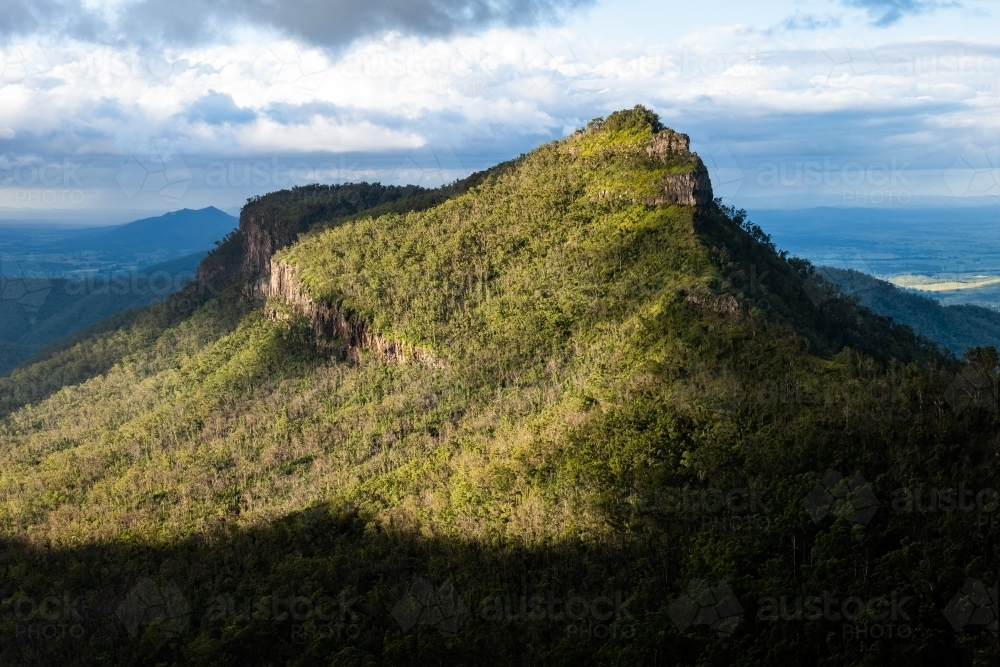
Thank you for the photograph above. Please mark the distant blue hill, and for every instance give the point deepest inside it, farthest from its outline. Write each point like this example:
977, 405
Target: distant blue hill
179, 233
51, 252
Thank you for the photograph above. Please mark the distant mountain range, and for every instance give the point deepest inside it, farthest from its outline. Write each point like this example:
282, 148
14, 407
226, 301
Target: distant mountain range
72, 253
181, 232
37, 312
956, 327
56, 282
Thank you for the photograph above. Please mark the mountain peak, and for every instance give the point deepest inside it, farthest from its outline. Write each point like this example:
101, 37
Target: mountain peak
684, 178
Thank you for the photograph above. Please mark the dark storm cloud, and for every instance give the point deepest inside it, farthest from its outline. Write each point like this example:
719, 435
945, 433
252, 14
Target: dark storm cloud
331, 23
887, 12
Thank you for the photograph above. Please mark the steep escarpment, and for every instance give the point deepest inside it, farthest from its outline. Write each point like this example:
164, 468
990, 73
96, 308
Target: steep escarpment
272, 222
690, 187
268, 224
671, 174
334, 331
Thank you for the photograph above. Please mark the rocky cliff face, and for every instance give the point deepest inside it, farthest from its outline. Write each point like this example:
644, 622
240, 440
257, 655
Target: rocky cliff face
243, 261
693, 188
263, 235
336, 332
270, 223
667, 144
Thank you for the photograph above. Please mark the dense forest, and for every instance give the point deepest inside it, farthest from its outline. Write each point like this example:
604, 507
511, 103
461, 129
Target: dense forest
550, 414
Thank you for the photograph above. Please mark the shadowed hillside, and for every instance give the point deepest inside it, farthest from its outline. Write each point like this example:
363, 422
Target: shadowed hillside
37, 312
955, 327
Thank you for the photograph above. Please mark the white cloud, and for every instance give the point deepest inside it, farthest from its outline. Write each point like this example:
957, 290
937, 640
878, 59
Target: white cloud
322, 135
795, 94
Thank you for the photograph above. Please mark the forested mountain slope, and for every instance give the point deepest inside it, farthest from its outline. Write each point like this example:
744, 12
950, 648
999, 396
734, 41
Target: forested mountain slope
37, 312
955, 327
568, 411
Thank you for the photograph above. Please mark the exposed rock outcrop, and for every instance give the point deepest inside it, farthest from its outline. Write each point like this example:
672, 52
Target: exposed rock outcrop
691, 188
724, 304
263, 236
667, 145
336, 332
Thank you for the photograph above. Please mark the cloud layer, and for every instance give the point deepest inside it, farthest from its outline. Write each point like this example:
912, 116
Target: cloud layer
330, 23
811, 110
887, 12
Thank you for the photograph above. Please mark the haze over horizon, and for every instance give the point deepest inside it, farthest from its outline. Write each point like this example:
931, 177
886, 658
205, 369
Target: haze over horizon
118, 110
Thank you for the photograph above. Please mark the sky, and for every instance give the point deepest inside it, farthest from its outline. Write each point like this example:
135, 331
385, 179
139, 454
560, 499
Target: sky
114, 110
